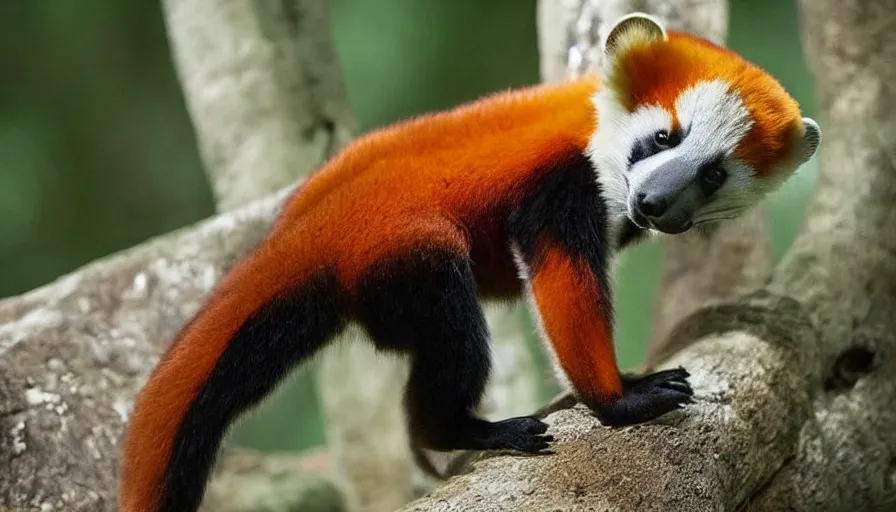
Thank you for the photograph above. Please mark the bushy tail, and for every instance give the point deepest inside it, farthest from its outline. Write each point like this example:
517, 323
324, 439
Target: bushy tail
231, 355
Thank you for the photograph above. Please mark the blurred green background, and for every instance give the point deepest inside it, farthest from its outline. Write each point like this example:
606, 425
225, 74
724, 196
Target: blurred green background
97, 152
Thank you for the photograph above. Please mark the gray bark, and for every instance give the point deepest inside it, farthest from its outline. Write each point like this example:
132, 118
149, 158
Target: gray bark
794, 383
74, 353
263, 88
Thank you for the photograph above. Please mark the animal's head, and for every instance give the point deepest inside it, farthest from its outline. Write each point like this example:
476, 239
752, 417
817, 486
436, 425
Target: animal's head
690, 133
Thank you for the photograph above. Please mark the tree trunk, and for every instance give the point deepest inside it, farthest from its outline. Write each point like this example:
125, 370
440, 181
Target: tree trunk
794, 383
263, 88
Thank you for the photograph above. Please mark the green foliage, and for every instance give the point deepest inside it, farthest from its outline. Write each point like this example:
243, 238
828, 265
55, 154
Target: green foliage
97, 152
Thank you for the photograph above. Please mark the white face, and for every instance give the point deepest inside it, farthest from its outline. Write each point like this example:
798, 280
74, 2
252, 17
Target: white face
673, 181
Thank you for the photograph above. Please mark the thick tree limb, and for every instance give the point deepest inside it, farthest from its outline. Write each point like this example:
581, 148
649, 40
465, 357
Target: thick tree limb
263, 88
842, 267
74, 353
794, 384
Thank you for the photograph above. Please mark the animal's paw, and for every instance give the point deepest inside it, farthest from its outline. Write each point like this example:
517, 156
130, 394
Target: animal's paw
525, 434
648, 397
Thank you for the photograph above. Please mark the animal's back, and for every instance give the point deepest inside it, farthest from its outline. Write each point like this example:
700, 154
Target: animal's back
434, 176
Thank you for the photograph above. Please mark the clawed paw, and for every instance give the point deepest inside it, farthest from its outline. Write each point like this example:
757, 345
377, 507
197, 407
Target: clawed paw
525, 434
673, 380
647, 397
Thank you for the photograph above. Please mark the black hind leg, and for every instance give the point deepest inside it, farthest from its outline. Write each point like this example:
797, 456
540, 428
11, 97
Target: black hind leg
426, 304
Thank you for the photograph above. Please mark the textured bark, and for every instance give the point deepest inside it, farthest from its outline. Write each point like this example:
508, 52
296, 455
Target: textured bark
74, 353
842, 267
263, 88
794, 383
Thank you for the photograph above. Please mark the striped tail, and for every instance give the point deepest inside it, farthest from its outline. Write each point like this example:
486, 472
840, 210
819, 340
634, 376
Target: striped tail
232, 354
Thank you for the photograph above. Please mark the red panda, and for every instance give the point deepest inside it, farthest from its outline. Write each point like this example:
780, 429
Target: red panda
522, 193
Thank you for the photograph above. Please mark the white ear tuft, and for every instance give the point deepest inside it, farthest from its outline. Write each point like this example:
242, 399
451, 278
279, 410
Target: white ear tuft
631, 29
811, 138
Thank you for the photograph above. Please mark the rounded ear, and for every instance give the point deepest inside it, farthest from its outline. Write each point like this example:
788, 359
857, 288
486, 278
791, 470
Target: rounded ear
630, 30
811, 138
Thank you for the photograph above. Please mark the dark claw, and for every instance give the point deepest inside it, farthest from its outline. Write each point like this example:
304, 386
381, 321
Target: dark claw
647, 397
677, 385
525, 434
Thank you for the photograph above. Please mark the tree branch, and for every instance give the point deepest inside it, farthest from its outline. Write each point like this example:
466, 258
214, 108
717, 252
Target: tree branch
74, 353
794, 384
264, 91
842, 267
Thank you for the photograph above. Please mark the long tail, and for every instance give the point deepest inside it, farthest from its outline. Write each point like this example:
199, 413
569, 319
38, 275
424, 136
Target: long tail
233, 353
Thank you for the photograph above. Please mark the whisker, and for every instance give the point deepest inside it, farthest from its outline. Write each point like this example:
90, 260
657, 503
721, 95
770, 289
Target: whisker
725, 208
715, 219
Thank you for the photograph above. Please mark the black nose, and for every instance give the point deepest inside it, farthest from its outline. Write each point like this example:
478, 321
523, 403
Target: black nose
651, 206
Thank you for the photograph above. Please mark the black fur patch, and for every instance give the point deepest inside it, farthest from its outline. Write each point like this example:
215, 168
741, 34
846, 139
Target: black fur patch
426, 303
567, 207
285, 332
647, 147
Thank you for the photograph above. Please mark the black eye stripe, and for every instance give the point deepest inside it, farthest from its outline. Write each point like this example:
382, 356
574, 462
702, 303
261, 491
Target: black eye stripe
711, 163
642, 149
708, 179
648, 146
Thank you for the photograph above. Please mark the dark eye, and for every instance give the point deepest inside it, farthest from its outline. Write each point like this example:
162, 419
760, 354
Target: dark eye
714, 176
662, 139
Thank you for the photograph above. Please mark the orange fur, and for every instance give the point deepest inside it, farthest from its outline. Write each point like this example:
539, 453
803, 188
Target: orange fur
657, 73
568, 297
390, 186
